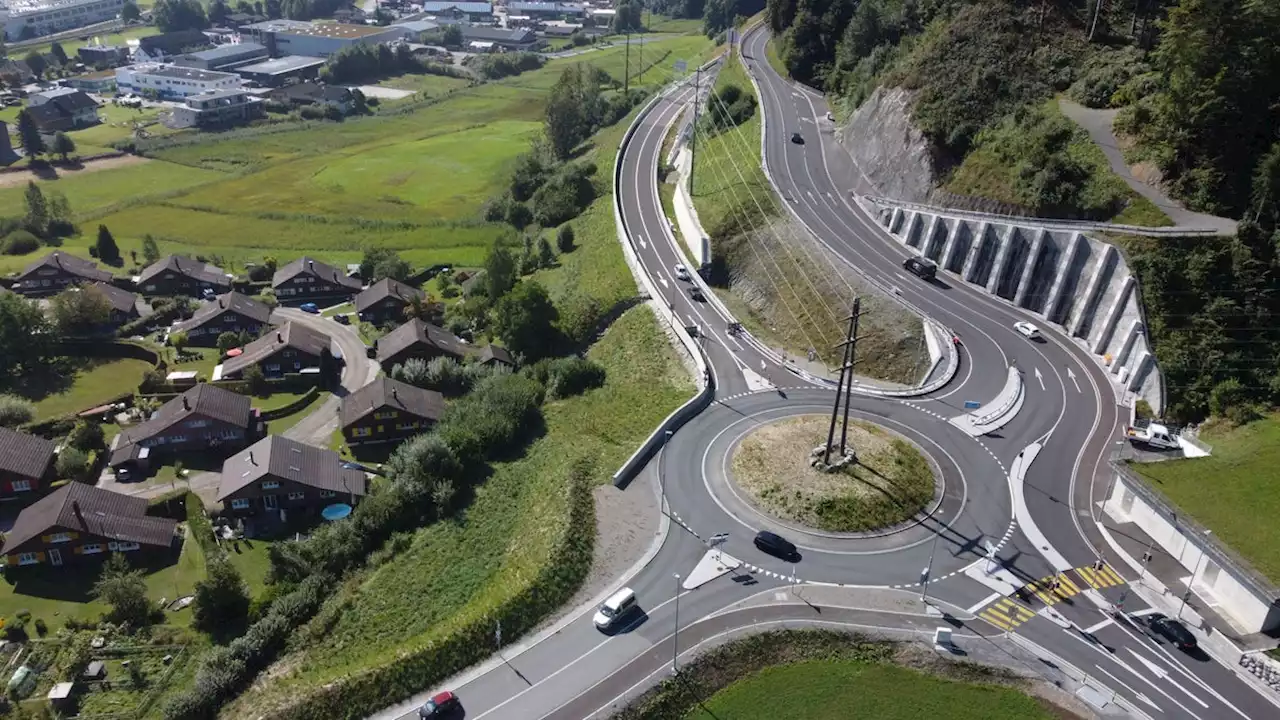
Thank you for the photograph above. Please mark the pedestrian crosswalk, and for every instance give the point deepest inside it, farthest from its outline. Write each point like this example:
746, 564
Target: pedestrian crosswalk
1100, 576
1006, 613
1052, 589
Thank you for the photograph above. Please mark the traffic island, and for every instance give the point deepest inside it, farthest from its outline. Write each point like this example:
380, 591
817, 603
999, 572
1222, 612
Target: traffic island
888, 482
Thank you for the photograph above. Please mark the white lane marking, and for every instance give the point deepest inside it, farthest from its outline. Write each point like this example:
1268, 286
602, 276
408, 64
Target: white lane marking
1133, 672
643, 244
1072, 377
1040, 378
1098, 626
662, 280
1135, 693
1164, 675
984, 601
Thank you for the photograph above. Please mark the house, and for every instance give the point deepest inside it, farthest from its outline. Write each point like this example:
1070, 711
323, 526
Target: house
236, 20
307, 279
26, 462
547, 10
350, 14
78, 521
180, 275
125, 306
158, 47
474, 12
384, 301
509, 39
494, 355
216, 109
277, 473
232, 312
316, 39
61, 109
290, 348
55, 271
204, 417
223, 56
387, 409
417, 339
108, 55
310, 93
95, 82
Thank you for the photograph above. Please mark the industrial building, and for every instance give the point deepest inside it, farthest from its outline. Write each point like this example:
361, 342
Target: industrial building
474, 12
45, 17
275, 72
547, 10
315, 39
170, 81
223, 56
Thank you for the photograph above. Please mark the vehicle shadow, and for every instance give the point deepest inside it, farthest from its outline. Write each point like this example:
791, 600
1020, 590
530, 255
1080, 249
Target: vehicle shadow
638, 617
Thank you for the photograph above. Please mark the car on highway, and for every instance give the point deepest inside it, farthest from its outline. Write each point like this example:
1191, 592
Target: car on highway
797, 138
682, 272
695, 293
1172, 630
921, 267
1027, 330
775, 545
619, 605
441, 705
309, 308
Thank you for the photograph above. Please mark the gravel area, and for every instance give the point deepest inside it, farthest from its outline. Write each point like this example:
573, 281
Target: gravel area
22, 177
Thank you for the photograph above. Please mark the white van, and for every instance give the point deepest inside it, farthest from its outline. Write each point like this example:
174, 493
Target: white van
618, 605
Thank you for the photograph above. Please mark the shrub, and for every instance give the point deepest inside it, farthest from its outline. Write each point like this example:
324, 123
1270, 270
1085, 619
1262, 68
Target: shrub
15, 630
86, 435
221, 599
19, 242
15, 411
564, 238
71, 463
566, 377
1104, 75
41, 628
565, 195
424, 460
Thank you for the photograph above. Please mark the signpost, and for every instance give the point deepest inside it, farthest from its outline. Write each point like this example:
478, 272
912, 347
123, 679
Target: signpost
715, 541
992, 566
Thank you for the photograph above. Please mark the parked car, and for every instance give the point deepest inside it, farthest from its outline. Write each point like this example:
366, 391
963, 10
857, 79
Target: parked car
619, 605
682, 272
1172, 630
797, 138
921, 267
309, 308
441, 705
342, 318
775, 545
1027, 330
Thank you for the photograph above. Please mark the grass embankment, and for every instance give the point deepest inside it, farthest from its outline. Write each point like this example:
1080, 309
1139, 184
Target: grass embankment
890, 483
1008, 165
1233, 491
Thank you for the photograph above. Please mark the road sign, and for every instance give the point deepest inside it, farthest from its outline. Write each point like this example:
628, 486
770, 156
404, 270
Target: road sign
718, 539
682, 66
972, 404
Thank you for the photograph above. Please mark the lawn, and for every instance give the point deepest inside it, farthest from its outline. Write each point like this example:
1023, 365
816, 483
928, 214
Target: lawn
93, 382
280, 425
1233, 492
250, 558
276, 400
74, 44
118, 124
429, 85
830, 690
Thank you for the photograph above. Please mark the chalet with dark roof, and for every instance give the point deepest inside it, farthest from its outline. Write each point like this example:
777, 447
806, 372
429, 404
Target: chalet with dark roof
205, 417
290, 348
79, 522
232, 312
306, 279
417, 339
387, 409
180, 275
125, 306
55, 271
494, 355
62, 109
277, 473
26, 462
384, 302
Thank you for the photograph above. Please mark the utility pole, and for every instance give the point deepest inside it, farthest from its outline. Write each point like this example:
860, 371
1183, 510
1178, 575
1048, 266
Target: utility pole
693, 135
641, 49
626, 72
846, 369
1093, 27
853, 352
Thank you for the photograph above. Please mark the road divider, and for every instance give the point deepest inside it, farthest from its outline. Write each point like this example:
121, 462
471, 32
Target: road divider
999, 412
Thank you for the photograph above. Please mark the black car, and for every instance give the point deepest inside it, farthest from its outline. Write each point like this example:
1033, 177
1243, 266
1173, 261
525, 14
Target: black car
797, 138
775, 545
921, 267
695, 293
1172, 630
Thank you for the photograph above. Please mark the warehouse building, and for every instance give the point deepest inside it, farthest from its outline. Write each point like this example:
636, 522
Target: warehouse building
277, 71
45, 17
223, 56
547, 10
314, 39
171, 81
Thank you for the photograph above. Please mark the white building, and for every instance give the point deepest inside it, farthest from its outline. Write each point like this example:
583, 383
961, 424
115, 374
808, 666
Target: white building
50, 16
171, 81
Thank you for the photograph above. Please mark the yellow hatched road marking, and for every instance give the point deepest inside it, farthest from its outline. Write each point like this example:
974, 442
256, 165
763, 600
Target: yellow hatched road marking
1003, 624
1114, 576
1006, 614
1067, 585
1100, 578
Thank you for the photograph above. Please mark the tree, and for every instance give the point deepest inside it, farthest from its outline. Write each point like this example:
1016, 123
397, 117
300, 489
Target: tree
379, 263
226, 341
58, 53
546, 256
71, 463
79, 311
525, 319
124, 589
418, 307
15, 411
218, 12
63, 145
59, 215
499, 271
130, 12
564, 239
86, 435
173, 15
221, 599
627, 17
36, 62
150, 250
452, 36
106, 246
24, 337
568, 112
422, 460
29, 134
179, 341
255, 379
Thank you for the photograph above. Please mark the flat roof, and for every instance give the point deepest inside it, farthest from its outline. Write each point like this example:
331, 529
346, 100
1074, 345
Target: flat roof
182, 73
228, 50
281, 65
331, 30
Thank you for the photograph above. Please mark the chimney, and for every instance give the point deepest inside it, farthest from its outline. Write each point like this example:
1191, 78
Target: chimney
222, 303
75, 508
311, 264
251, 460
394, 396
279, 336
186, 404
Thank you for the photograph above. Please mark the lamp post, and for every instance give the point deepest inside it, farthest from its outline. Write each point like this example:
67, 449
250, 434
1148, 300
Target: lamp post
675, 642
924, 574
662, 475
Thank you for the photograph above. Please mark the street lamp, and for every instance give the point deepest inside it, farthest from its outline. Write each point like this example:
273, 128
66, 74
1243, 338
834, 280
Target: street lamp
924, 574
662, 476
675, 643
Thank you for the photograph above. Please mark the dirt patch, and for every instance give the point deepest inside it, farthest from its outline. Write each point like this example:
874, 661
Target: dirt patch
890, 483
22, 177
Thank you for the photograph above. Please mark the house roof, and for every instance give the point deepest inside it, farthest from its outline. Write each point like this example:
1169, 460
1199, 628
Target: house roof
233, 301
295, 335
69, 263
384, 289
230, 50
417, 332
314, 91
387, 393
173, 42
287, 459
496, 352
183, 265
492, 34
475, 8
49, 116
24, 455
84, 508
306, 265
524, 8
280, 65
121, 300
204, 399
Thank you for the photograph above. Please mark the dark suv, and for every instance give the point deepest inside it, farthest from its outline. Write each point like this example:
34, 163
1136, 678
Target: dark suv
1172, 630
921, 267
776, 545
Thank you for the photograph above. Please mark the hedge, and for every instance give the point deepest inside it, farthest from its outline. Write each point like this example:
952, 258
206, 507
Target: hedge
199, 526
357, 696
311, 394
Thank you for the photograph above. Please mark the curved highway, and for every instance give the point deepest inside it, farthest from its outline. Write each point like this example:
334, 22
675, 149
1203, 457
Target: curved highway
1037, 519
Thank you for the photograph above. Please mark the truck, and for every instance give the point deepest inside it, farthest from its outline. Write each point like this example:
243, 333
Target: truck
1154, 435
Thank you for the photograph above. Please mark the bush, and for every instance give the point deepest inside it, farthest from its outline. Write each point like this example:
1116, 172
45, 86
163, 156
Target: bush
19, 242
41, 628
15, 411
1104, 75
72, 463
86, 435
495, 67
564, 239
566, 377
221, 599
497, 415
565, 195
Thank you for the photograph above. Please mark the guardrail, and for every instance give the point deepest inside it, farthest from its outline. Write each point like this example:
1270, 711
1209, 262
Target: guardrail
1016, 375
1059, 223
694, 405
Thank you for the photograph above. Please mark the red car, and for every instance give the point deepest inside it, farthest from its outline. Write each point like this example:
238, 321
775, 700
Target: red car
442, 704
